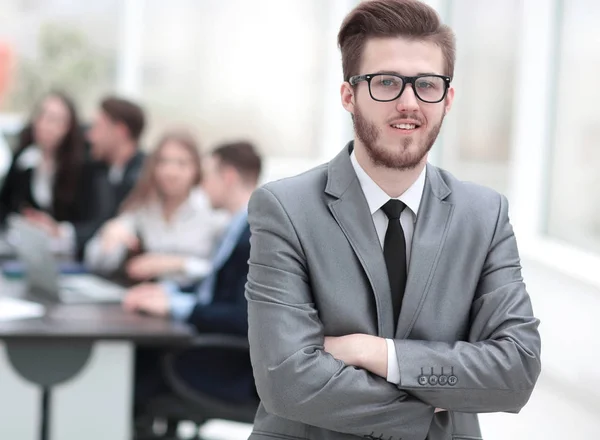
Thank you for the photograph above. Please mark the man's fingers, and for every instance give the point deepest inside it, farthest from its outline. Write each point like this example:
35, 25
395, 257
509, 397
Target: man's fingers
28, 212
134, 268
138, 274
137, 291
129, 302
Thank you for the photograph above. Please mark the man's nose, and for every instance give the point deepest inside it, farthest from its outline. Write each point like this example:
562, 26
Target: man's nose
407, 101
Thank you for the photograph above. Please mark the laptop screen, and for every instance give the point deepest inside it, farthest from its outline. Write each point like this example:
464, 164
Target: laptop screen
33, 249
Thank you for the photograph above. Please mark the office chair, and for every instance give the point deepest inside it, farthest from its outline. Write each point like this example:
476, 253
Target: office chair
185, 404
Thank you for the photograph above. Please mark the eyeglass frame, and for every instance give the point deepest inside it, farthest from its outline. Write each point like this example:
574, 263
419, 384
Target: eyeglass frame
354, 80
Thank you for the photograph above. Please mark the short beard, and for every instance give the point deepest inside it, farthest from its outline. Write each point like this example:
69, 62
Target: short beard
368, 134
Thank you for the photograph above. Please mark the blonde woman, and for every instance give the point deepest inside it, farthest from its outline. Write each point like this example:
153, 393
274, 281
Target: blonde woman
166, 220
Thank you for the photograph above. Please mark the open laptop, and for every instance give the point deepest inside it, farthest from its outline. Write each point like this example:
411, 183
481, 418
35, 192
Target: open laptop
42, 273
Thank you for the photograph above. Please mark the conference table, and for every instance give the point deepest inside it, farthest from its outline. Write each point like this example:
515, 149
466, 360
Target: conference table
69, 374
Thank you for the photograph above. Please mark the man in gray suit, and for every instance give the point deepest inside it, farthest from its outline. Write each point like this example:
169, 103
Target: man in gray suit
385, 296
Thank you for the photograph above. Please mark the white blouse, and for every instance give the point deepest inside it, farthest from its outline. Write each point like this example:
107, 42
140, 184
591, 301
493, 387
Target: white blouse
193, 231
43, 176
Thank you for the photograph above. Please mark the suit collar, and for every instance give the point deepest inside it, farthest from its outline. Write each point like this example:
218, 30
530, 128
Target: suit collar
133, 165
238, 224
124, 171
377, 197
430, 233
437, 186
351, 211
341, 173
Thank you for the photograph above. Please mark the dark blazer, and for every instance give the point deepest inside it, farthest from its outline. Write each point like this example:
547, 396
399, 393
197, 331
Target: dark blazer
101, 199
222, 373
227, 313
17, 194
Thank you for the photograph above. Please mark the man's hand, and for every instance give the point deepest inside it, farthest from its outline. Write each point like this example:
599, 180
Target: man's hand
42, 220
115, 234
147, 266
150, 298
363, 351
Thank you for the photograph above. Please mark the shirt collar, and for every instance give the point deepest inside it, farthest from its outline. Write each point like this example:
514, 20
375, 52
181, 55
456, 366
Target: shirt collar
238, 221
240, 217
187, 208
377, 197
30, 157
115, 174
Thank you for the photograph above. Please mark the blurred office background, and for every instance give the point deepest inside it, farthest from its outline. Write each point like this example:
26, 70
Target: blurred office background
525, 122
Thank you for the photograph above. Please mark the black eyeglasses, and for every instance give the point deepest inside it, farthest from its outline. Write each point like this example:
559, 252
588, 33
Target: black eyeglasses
385, 87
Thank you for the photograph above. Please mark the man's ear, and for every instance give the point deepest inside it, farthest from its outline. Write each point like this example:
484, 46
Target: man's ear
230, 174
122, 130
449, 100
347, 96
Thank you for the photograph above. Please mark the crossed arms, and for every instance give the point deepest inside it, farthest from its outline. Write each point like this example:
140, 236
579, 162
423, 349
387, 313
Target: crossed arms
298, 379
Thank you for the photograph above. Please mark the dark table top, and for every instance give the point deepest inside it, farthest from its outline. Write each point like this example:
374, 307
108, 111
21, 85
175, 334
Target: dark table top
89, 322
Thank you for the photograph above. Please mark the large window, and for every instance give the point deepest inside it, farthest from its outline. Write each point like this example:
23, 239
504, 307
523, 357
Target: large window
237, 69
574, 186
62, 44
477, 132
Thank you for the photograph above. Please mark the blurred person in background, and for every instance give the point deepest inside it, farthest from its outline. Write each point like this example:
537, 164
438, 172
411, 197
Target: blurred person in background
167, 220
109, 176
218, 304
5, 158
6, 60
45, 176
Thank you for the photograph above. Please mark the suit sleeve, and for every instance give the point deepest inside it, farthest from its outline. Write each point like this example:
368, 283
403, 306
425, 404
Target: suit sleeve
97, 260
94, 207
9, 192
497, 367
295, 378
226, 316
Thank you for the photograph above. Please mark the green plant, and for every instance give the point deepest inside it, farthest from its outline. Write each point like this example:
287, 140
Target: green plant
66, 59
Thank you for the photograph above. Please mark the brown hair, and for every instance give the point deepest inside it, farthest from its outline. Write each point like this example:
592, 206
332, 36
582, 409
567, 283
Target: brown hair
392, 18
69, 157
126, 112
243, 157
145, 189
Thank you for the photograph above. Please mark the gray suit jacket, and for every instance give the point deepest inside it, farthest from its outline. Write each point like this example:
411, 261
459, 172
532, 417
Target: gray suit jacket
466, 339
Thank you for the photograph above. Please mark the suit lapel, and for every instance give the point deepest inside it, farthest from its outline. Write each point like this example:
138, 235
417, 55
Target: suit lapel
351, 211
428, 239
229, 242
26, 188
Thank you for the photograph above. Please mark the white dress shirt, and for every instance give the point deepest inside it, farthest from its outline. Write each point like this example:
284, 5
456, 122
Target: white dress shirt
42, 178
193, 232
115, 174
376, 198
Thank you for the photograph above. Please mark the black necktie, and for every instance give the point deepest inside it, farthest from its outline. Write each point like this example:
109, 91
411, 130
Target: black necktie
394, 252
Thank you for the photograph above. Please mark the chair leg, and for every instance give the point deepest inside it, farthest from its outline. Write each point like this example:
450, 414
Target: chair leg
171, 431
167, 430
199, 431
144, 429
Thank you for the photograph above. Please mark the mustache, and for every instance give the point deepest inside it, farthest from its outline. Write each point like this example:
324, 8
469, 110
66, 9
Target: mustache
411, 116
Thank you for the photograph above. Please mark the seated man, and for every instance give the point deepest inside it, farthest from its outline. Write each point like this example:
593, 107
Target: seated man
114, 168
218, 305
